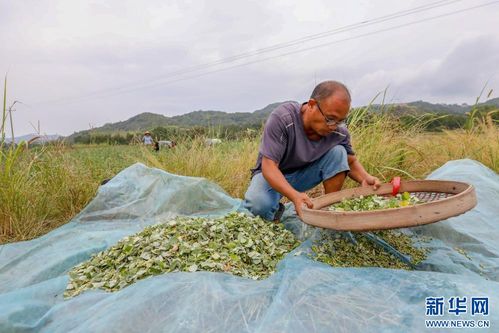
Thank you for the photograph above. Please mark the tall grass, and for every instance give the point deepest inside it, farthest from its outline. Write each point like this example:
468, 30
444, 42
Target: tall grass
227, 164
12, 177
477, 140
480, 142
18, 190
44, 187
380, 141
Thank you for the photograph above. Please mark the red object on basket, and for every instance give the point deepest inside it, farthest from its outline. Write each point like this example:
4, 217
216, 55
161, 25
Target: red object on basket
396, 185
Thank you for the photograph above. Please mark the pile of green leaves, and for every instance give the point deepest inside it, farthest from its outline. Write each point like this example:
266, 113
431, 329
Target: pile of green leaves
337, 250
236, 243
374, 202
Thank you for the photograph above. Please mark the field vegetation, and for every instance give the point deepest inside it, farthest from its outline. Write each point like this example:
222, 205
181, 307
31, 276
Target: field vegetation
43, 187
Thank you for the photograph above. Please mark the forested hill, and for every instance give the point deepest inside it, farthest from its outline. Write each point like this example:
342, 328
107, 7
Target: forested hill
148, 121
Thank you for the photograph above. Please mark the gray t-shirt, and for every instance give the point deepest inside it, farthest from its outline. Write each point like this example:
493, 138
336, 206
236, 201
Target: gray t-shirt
285, 142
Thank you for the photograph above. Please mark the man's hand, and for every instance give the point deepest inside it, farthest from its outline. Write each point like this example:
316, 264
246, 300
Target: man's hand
371, 180
360, 175
298, 200
278, 182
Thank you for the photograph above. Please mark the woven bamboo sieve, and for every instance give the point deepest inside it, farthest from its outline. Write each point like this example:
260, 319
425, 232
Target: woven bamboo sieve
441, 200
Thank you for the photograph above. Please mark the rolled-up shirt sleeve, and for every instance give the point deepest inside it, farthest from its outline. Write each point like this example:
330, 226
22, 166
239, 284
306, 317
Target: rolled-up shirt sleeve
274, 139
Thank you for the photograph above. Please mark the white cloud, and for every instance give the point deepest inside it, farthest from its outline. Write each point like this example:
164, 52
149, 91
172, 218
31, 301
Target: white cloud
456, 76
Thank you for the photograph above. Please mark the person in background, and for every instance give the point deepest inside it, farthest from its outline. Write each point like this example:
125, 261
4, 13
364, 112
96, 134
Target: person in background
147, 139
302, 146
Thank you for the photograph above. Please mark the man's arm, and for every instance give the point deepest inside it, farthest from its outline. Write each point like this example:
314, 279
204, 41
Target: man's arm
360, 175
275, 178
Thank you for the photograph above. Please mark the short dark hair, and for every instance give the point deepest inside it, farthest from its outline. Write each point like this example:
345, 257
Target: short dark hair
327, 88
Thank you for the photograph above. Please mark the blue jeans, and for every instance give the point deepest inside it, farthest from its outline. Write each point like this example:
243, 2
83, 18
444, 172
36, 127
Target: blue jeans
261, 199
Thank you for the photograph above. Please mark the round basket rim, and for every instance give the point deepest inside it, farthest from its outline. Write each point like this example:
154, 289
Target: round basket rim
462, 200
468, 189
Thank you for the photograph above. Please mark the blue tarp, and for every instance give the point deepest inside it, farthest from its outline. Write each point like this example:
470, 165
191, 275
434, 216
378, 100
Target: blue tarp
302, 296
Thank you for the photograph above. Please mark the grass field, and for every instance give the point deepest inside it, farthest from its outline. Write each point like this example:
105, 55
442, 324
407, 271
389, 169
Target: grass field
44, 187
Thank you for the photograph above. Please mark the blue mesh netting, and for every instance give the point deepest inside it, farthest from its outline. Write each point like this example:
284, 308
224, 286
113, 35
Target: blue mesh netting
303, 295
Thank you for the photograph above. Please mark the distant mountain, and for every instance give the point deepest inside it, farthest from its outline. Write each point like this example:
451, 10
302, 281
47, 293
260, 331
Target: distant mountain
136, 123
493, 102
421, 107
440, 108
148, 121
40, 138
215, 118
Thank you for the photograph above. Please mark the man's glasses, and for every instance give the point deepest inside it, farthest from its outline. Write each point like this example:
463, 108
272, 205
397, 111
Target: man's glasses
330, 121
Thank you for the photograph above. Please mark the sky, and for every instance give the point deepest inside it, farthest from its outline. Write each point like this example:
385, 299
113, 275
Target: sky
74, 65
